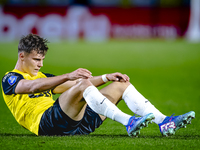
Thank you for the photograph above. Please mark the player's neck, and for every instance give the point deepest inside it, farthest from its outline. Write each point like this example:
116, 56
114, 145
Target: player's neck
18, 66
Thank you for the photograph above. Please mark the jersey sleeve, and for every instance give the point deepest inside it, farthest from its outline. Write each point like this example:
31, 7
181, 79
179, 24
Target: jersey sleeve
10, 81
48, 75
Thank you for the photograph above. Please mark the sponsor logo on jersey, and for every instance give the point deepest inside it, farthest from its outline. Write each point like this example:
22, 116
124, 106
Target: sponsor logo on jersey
12, 80
42, 94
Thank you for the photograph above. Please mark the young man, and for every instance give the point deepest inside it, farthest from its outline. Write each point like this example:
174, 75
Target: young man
81, 107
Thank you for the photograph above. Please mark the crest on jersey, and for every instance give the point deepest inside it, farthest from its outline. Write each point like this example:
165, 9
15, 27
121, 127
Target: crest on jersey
12, 80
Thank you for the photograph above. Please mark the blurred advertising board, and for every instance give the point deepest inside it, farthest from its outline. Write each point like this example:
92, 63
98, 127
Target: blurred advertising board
92, 24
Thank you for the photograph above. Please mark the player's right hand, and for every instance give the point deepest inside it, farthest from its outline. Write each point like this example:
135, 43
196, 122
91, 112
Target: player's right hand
80, 73
117, 77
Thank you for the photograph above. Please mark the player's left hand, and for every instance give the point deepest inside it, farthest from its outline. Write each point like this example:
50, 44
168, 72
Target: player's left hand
117, 77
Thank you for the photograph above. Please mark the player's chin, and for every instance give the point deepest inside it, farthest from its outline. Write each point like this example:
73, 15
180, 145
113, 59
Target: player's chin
34, 73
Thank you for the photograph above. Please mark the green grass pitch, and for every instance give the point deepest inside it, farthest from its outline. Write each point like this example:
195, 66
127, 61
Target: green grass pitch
165, 72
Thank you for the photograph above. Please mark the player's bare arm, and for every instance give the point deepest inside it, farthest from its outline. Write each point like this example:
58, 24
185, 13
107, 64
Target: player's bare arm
96, 81
43, 84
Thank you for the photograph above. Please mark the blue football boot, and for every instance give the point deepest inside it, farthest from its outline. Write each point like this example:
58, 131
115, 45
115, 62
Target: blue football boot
171, 124
135, 124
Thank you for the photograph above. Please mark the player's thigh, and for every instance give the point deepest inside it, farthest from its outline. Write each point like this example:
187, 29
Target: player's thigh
72, 102
114, 91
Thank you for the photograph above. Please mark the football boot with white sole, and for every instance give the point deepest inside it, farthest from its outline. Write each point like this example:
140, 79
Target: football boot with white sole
171, 124
135, 124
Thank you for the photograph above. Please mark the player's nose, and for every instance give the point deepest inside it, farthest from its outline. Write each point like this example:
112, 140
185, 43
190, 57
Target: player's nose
40, 64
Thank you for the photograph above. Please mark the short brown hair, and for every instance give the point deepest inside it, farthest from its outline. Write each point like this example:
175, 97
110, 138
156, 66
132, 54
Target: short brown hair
33, 42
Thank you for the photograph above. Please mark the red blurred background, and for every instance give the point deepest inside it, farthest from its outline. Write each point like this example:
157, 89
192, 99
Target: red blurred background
94, 19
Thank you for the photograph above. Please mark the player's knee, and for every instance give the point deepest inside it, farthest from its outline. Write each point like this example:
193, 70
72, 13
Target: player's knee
121, 85
84, 83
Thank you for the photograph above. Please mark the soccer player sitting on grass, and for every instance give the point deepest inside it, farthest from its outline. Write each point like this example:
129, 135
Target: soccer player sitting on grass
81, 107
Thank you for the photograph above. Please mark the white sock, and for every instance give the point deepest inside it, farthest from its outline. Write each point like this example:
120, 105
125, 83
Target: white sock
138, 104
101, 105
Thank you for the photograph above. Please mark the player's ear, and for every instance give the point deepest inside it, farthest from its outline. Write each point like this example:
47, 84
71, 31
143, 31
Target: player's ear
21, 55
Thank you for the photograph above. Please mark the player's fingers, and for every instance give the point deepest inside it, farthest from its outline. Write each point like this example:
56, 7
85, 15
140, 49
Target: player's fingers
81, 70
122, 77
85, 73
126, 78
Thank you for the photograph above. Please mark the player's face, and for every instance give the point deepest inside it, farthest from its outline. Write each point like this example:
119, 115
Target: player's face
33, 62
